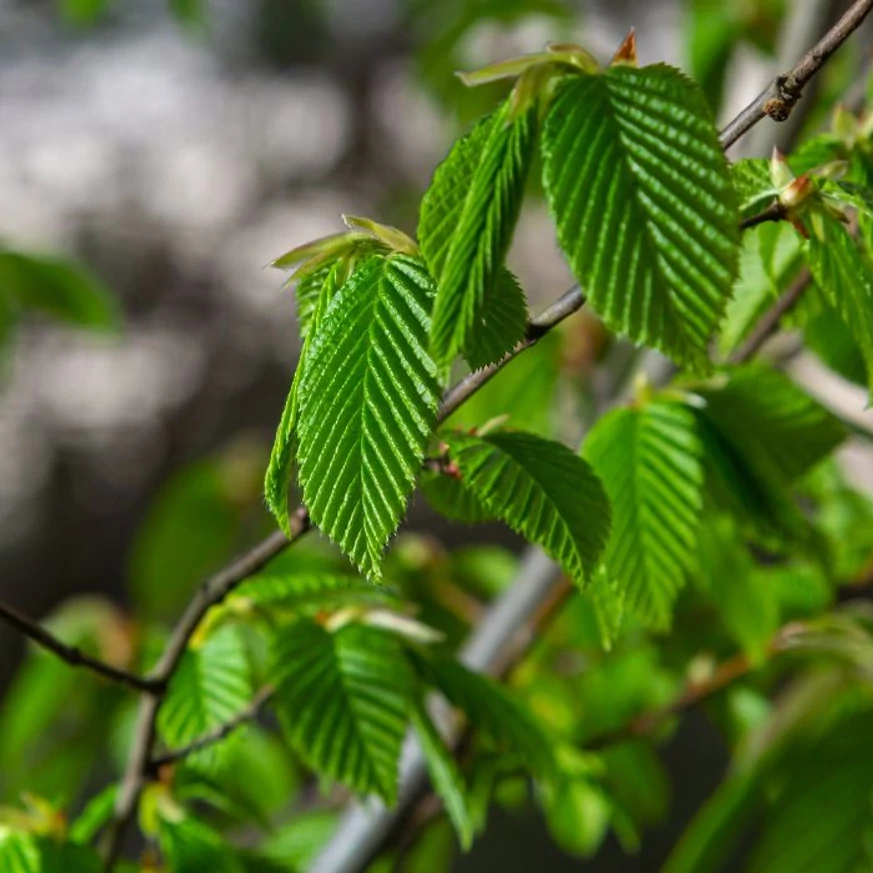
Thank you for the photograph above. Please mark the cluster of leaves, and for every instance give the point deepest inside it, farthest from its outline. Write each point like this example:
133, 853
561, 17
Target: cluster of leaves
708, 507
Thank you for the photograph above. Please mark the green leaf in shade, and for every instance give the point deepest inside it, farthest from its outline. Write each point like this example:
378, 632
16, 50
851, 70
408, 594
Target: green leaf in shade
769, 260
451, 498
468, 216
747, 605
649, 460
760, 434
312, 306
210, 687
97, 812
646, 214
780, 431
192, 846
343, 699
19, 852
368, 404
59, 288
540, 489
503, 325
492, 709
444, 774
846, 280
751, 180
821, 820
577, 813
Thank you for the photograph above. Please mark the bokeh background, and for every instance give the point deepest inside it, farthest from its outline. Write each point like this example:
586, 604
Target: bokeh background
174, 152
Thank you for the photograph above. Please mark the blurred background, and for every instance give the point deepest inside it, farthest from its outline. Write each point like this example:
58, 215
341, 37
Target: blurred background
169, 152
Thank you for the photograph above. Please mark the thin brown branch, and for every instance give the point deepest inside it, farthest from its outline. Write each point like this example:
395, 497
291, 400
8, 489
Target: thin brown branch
778, 99
248, 714
73, 655
769, 322
774, 212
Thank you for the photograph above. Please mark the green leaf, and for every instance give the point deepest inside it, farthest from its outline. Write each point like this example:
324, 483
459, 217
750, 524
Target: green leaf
747, 605
210, 687
311, 309
97, 812
540, 489
651, 236
444, 774
468, 215
369, 397
83, 12
577, 814
492, 709
59, 288
822, 819
503, 324
343, 699
19, 852
451, 498
751, 179
191, 13
769, 260
846, 280
191, 846
780, 431
649, 460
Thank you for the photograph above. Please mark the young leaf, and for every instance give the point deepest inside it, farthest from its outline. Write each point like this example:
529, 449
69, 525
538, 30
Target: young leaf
210, 687
649, 460
312, 308
646, 214
467, 219
368, 403
307, 590
447, 780
846, 280
492, 709
540, 489
343, 699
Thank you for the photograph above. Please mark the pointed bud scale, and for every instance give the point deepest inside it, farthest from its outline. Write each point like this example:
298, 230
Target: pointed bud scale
797, 191
780, 172
831, 170
626, 53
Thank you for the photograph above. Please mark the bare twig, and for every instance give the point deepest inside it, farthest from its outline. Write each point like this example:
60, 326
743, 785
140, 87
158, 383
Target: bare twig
774, 212
779, 98
73, 655
222, 732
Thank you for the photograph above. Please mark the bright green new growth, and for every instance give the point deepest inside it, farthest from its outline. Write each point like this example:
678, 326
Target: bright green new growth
211, 686
541, 490
369, 397
646, 214
344, 700
467, 219
649, 460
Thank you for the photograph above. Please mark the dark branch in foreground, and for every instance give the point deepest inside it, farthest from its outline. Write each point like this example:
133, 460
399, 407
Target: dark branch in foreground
74, 656
778, 99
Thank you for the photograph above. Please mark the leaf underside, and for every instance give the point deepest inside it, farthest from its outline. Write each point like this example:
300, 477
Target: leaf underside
646, 214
